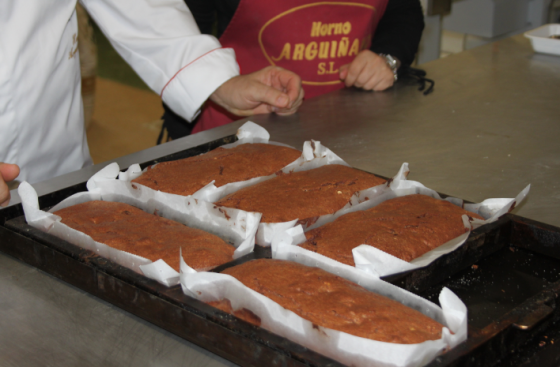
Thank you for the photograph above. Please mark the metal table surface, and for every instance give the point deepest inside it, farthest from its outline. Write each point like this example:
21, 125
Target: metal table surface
490, 128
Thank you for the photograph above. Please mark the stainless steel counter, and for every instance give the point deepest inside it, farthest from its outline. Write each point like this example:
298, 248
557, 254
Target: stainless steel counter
490, 128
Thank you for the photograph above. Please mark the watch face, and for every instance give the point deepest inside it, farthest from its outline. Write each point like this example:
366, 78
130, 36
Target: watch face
392, 63
391, 60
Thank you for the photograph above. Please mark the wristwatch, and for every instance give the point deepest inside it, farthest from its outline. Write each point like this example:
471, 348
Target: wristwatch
392, 63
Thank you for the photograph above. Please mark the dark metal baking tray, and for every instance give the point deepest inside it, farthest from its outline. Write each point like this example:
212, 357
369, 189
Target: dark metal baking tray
507, 273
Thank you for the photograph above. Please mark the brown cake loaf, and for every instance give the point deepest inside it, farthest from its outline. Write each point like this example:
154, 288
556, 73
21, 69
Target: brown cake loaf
333, 302
303, 195
406, 227
246, 161
130, 229
243, 314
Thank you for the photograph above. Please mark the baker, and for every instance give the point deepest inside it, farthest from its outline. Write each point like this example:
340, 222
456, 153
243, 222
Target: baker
330, 45
41, 114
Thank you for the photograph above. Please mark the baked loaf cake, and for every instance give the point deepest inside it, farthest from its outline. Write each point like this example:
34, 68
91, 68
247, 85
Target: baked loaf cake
246, 161
303, 195
243, 314
333, 302
130, 229
406, 227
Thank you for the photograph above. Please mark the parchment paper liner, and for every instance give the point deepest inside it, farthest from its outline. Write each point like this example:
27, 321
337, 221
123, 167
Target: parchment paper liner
267, 231
233, 225
380, 263
313, 155
348, 349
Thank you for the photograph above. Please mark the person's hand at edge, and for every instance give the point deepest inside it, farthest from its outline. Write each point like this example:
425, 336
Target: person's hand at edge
8, 172
368, 71
271, 89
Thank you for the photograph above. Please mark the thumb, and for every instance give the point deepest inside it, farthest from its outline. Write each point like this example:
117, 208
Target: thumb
272, 96
8, 171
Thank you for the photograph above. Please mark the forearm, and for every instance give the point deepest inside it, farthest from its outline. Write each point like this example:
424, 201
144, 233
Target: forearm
161, 41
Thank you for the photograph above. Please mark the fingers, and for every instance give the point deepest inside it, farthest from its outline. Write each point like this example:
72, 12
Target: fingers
286, 81
263, 99
8, 172
4, 193
343, 73
368, 71
271, 89
271, 96
294, 105
290, 84
360, 69
235, 95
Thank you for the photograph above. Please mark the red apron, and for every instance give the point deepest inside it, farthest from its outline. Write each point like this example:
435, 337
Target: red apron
312, 39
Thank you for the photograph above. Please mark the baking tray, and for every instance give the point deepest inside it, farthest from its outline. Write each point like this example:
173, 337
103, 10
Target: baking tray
507, 274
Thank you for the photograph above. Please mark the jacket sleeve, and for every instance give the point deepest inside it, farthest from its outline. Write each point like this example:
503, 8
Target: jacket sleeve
162, 43
399, 30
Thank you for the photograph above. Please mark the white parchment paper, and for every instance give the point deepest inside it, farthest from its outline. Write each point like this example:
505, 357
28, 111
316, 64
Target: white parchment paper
343, 347
233, 225
379, 263
313, 155
267, 231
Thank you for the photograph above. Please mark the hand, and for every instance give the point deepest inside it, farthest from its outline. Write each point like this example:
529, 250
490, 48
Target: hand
368, 71
8, 172
271, 89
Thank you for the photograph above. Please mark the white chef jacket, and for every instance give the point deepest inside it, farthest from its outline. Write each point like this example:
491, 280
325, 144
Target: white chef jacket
41, 116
